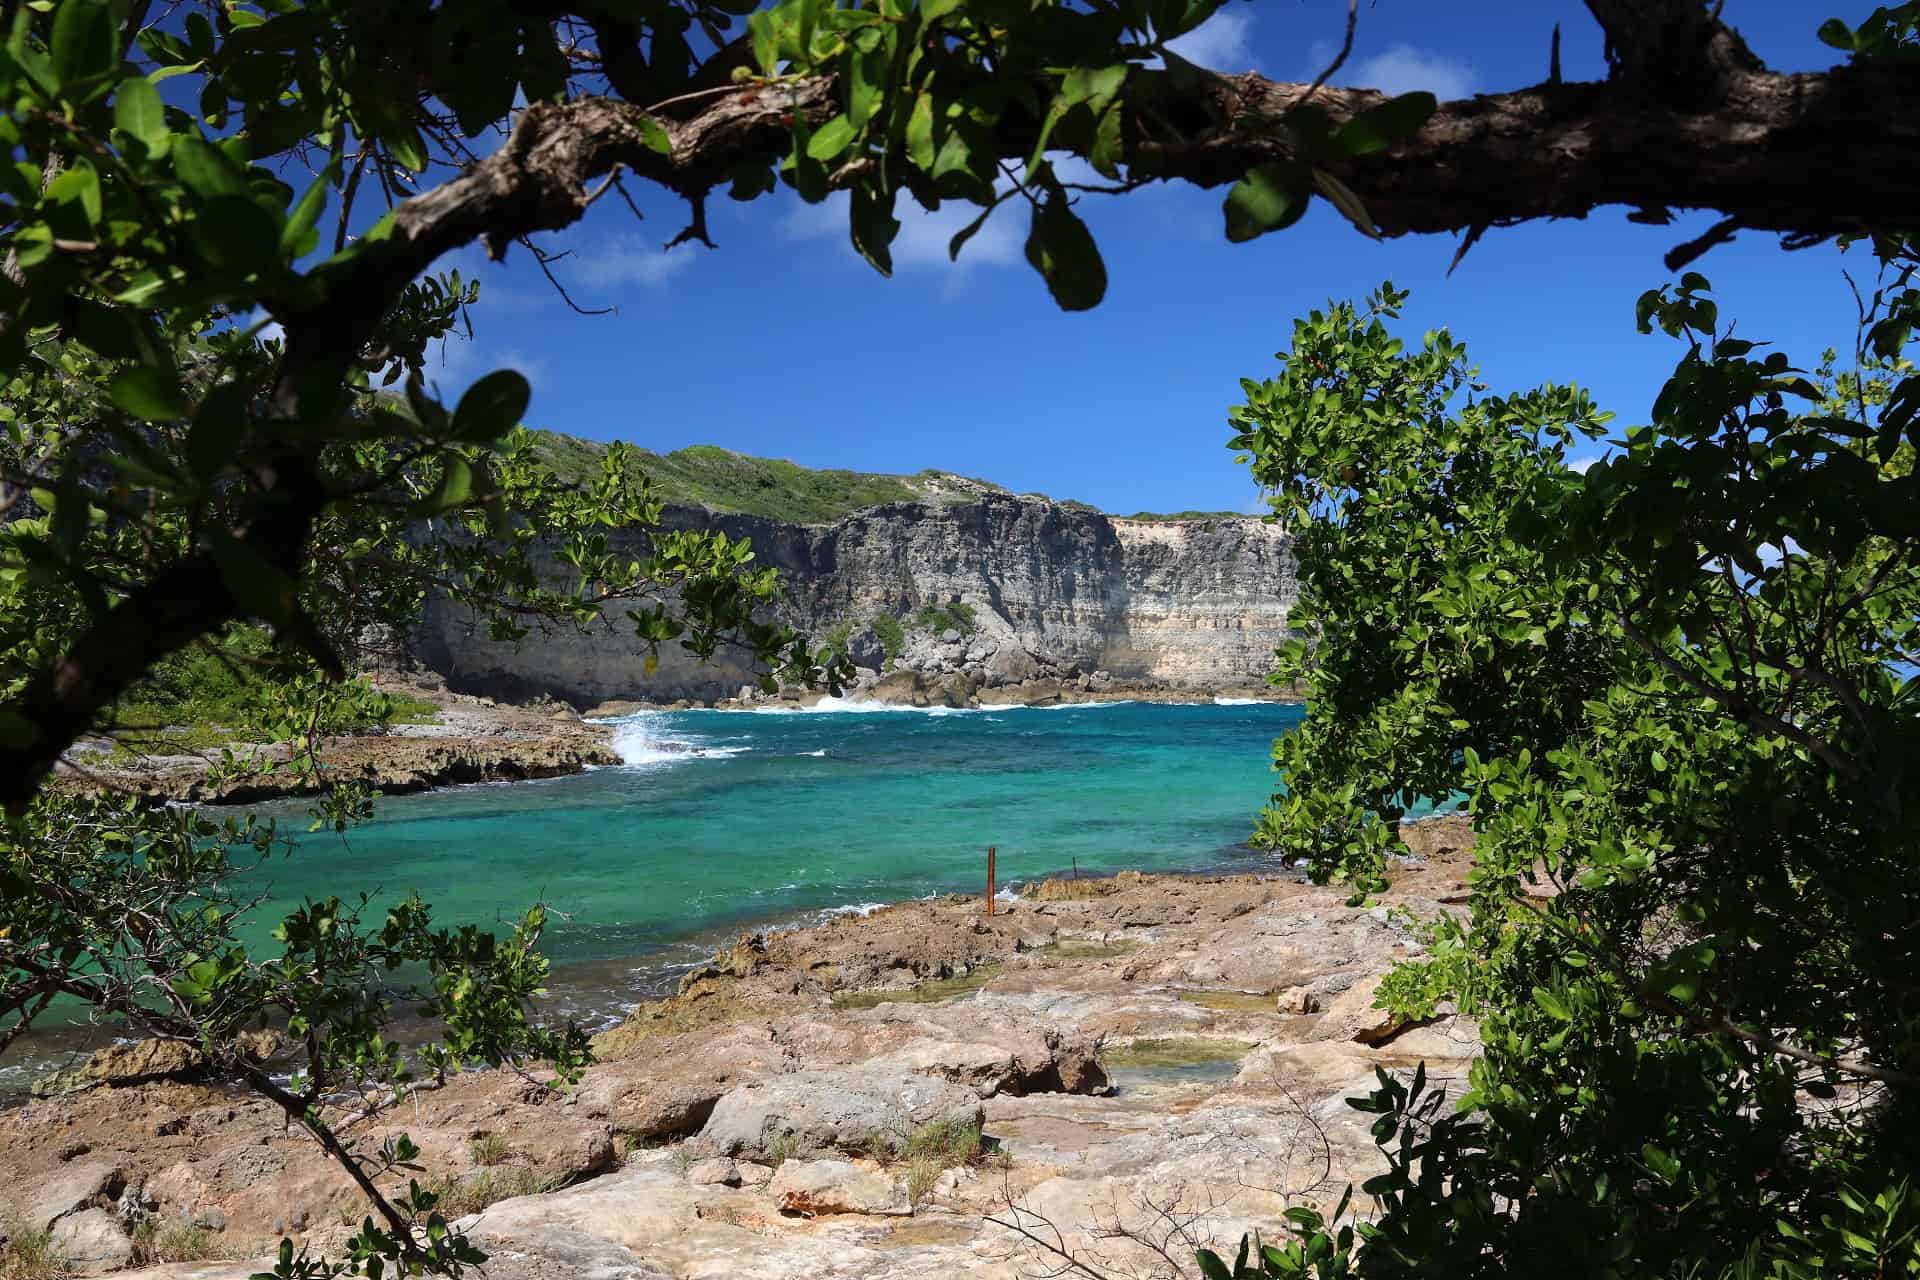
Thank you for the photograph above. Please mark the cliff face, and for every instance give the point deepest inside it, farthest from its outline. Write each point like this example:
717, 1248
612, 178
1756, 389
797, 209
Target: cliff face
1055, 590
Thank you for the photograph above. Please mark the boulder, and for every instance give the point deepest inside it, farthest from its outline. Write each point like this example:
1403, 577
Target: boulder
956, 690
812, 1187
950, 636
1010, 664
1351, 1015
903, 688
74, 1190
1297, 1000
716, 1171
865, 650
668, 1087
93, 1240
838, 1108
125, 1064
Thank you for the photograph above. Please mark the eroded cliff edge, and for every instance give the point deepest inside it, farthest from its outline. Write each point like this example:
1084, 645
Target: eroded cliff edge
1057, 591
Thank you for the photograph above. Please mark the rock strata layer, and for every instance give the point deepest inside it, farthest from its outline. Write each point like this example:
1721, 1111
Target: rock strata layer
1057, 592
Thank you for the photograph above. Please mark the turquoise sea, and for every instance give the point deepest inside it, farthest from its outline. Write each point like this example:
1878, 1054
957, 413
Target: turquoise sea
719, 821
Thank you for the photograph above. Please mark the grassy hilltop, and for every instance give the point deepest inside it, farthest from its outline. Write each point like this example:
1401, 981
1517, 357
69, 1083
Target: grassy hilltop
707, 475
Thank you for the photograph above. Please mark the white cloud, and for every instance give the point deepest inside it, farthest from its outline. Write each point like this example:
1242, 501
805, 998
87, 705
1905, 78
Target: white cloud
459, 361
1221, 43
1405, 69
625, 260
923, 237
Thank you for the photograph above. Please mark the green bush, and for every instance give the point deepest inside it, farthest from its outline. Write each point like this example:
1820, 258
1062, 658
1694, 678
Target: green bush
958, 616
892, 636
215, 692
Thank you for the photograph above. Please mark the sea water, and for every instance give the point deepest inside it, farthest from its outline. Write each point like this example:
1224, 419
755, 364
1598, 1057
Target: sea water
721, 820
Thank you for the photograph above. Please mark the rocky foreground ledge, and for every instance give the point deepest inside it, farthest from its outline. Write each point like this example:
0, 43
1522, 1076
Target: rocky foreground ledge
1151, 1062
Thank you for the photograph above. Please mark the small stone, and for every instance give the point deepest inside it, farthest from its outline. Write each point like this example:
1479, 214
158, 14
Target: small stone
950, 636
752, 1173
716, 1171
1298, 1000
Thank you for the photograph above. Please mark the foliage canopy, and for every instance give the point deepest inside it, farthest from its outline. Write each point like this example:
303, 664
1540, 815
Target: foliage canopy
172, 474
1679, 695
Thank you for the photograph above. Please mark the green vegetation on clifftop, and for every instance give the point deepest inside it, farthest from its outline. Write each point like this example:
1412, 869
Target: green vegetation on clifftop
710, 476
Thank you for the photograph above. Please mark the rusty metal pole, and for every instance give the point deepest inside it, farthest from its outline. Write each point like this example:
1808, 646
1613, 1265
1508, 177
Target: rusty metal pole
989, 879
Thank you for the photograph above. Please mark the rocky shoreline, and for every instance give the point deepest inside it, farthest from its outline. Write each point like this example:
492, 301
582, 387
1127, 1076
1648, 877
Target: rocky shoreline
471, 740
476, 739
1135, 1053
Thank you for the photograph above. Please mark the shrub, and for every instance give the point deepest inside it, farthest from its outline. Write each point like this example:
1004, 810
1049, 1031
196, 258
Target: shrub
155, 1242
488, 1148
892, 636
31, 1255
782, 1147
957, 616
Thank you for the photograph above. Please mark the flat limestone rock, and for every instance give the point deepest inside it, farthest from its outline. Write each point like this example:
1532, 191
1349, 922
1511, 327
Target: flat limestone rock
838, 1108
814, 1187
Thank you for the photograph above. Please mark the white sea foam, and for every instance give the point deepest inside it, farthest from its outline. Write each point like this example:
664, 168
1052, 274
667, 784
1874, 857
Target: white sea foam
642, 741
1239, 702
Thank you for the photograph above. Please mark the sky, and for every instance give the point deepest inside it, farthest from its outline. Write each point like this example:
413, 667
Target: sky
782, 342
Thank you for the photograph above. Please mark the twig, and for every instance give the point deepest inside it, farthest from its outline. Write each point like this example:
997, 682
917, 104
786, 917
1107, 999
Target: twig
1346, 48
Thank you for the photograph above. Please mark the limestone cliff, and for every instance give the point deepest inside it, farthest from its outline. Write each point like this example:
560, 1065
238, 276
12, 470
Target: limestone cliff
1056, 590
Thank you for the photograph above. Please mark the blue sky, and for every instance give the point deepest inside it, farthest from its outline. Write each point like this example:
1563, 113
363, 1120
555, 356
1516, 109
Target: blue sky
783, 343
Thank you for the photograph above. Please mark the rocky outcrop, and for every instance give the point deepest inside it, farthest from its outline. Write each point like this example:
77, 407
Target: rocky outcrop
1055, 590
1207, 1100
470, 740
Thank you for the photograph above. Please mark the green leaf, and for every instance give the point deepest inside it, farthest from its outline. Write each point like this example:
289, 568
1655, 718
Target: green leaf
1211, 1267
920, 148
16, 730
1342, 198
206, 170
219, 425
830, 139
655, 136
139, 113
1837, 34
1552, 1004
1062, 250
1271, 197
751, 178
255, 584
867, 82
1380, 127
454, 489
148, 394
873, 227
404, 143
299, 237
491, 407
78, 183
967, 233
83, 43
236, 235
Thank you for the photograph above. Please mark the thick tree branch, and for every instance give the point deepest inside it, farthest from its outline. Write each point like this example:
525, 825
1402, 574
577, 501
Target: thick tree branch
1813, 155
